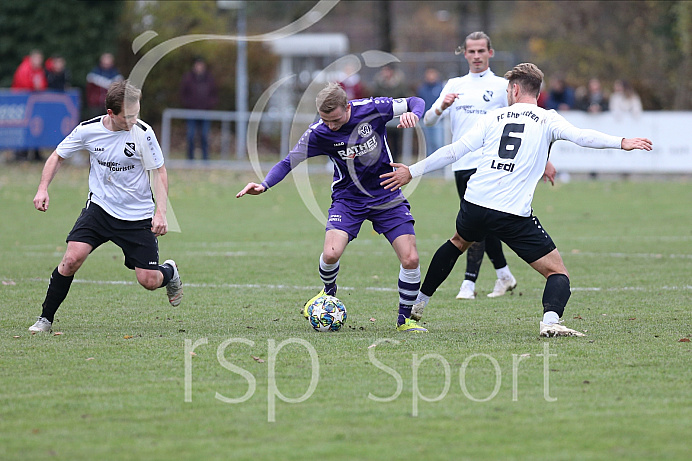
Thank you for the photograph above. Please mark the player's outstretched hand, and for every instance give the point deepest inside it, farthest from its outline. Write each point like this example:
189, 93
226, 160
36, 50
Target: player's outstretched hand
41, 200
636, 143
549, 173
252, 188
396, 179
407, 120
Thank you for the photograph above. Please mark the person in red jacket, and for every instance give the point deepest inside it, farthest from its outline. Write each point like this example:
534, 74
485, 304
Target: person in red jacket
30, 76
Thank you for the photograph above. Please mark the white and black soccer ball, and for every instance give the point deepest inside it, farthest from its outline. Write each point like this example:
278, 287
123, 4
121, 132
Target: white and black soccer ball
327, 313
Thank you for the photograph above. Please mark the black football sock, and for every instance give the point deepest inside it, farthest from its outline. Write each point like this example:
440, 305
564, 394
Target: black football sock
167, 272
58, 287
493, 247
474, 258
556, 294
441, 265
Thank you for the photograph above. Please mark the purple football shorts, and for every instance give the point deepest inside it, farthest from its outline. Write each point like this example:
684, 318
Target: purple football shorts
391, 221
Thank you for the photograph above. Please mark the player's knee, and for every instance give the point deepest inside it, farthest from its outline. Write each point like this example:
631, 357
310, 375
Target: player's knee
410, 261
149, 280
330, 256
70, 265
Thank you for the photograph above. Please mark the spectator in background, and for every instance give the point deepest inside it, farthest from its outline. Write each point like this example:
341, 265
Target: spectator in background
390, 81
543, 97
30, 76
624, 100
592, 98
429, 91
560, 95
352, 84
198, 91
57, 74
98, 81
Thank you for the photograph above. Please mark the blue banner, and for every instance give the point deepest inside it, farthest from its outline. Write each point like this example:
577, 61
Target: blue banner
35, 119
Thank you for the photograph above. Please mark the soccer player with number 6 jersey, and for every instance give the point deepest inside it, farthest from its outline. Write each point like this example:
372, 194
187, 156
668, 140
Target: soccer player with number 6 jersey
515, 144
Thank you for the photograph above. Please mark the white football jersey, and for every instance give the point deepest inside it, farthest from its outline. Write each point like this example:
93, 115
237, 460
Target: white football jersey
478, 94
118, 179
514, 143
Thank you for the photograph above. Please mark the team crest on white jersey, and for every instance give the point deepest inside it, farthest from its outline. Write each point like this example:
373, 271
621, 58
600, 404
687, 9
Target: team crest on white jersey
129, 149
364, 130
488, 94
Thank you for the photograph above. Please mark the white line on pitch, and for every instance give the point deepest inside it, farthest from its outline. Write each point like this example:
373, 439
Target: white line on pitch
314, 287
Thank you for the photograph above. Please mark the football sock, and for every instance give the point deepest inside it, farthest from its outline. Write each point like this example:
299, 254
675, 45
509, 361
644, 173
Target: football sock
425, 299
328, 273
493, 248
441, 265
550, 317
409, 285
167, 272
556, 294
474, 259
504, 273
58, 287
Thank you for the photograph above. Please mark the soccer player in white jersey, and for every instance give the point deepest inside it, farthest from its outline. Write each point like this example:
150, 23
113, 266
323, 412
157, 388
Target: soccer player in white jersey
464, 100
515, 144
120, 206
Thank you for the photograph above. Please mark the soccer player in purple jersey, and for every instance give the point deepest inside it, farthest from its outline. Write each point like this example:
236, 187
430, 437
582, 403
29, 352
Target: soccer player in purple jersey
352, 134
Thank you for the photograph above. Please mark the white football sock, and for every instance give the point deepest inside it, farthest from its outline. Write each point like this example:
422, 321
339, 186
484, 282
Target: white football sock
504, 273
550, 318
422, 298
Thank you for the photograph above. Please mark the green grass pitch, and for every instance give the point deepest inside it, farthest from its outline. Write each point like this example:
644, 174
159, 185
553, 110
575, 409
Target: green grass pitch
120, 382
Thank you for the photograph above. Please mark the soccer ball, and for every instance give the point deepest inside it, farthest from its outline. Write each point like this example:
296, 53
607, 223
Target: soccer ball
327, 313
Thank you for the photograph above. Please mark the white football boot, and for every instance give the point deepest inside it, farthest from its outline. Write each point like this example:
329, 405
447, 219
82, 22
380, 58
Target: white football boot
467, 290
41, 325
174, 288
502, 286
549, 330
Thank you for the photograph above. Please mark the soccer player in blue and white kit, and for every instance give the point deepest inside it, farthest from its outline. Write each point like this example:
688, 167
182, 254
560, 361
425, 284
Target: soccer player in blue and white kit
515, 144
120, 206
352, 134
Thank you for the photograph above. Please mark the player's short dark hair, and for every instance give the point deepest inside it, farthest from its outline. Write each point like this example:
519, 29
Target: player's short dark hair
528, 76
331, 97
119, 93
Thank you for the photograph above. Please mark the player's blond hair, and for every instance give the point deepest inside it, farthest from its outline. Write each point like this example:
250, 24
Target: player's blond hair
528, 76
120, 93
478, 35
331, 97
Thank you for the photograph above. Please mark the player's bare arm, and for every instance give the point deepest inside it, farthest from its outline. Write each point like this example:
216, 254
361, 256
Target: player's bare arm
636, 143
41, 199
407, 120
397, 178
159, 223
252, 188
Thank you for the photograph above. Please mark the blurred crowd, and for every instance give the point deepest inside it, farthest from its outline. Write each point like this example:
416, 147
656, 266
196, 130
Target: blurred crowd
36, 74
590, 97
199, 91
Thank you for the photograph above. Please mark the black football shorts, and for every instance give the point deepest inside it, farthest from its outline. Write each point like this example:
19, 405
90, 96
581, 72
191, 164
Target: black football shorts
139, 244
524, 235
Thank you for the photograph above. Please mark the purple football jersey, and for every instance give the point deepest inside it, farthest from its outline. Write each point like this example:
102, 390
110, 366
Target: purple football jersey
358, 150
